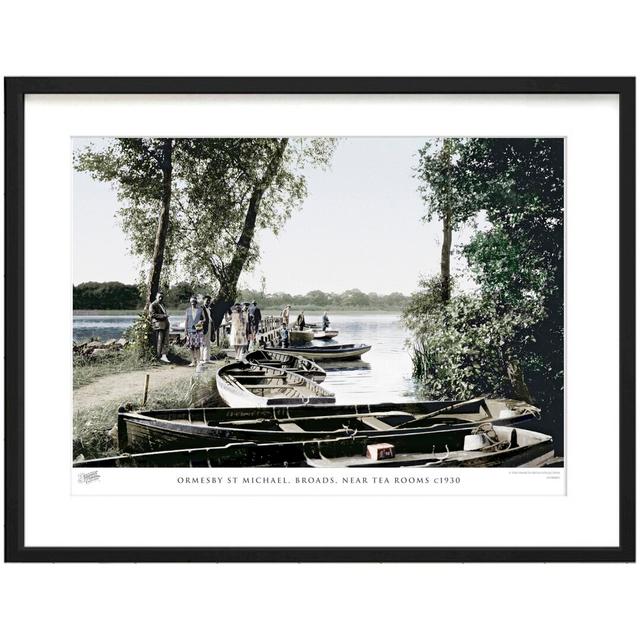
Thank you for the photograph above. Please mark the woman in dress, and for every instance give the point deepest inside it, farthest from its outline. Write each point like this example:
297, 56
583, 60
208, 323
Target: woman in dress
250, 330
238, 335
194, 328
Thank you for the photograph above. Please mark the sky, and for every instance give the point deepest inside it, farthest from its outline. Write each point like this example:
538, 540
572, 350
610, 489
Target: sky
359, 227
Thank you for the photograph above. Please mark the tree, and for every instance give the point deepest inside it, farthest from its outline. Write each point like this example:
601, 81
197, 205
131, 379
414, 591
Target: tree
228, 189
437, 171
518, 260
141, 169
106, 295
508, 336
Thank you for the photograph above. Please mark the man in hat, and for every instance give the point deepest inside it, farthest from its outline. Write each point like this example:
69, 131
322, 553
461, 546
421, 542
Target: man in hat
160, 326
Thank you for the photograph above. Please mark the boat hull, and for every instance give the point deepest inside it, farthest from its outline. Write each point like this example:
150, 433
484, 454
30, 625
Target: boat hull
295, 335
243, 384
287, 362
184, 428
325, 353
439, 449
325, 335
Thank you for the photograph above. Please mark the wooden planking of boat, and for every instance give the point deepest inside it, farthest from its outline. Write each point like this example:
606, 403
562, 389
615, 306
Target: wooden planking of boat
325, 352
182, 428
288, 362
246, 384
475, 446
328, 334
300, 335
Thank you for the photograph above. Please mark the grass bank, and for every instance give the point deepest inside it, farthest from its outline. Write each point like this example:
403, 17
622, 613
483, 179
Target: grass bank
94, 435
87, 369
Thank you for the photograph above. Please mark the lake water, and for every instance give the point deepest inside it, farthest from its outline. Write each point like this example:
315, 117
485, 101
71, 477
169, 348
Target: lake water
384, 373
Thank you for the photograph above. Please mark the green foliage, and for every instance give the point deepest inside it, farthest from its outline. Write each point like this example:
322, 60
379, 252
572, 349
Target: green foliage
218, 179
106, 295
351, 299
139, 334
439, 174
134, 167
214, 180
465, 347
177, 297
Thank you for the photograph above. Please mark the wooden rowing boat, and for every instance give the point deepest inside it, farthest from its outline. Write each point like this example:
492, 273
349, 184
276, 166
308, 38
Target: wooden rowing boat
245, 384
288, 362
297, 335
325, 352
182, 428
329, 334
502, 446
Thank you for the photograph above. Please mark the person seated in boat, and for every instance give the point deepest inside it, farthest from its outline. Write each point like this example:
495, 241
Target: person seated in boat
284, 335
325, 321
285, 315
194, 329
300, 322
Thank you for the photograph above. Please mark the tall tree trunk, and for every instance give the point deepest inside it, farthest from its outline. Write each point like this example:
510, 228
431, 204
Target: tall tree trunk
166, 165
445, 257
518, 384
229, 286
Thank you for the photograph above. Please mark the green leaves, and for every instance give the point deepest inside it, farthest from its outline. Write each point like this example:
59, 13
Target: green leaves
516, 316
213, 180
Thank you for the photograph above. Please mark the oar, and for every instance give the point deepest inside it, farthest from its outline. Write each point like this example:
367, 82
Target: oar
451, 407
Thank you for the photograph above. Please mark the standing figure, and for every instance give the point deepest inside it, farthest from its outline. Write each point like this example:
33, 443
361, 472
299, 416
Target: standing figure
325, 321
248, 327
285, 315
300, 321
208, 327
255, 317
284, 335
238, 335
160, 326
194, 329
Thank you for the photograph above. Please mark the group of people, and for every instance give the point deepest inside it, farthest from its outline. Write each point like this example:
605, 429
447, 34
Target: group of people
300, 324
245, 326
201, 320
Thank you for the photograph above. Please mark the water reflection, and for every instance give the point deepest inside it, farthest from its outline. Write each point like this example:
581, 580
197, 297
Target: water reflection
384, 373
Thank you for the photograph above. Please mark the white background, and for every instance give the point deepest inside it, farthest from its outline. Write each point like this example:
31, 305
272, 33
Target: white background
53, 517
363, 38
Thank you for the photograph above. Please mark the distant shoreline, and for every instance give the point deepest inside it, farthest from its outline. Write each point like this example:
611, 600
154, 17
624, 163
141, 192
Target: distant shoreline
267, 311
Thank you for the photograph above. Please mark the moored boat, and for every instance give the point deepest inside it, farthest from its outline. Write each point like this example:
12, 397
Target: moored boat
288, 362
245, 384
325, 352
182, 428
495, 446
300, 335
328, 334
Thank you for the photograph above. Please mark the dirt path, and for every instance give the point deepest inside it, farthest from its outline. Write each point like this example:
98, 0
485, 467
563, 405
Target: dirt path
120, 386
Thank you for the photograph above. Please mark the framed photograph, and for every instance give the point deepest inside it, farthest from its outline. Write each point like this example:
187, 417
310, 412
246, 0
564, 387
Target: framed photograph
320, 319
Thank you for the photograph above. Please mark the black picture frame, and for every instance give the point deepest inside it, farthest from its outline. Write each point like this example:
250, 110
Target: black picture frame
15, 91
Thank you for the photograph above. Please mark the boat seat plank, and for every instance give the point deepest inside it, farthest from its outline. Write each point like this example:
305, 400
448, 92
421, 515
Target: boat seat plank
253, 376
376, 423
291, 427
270, 386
